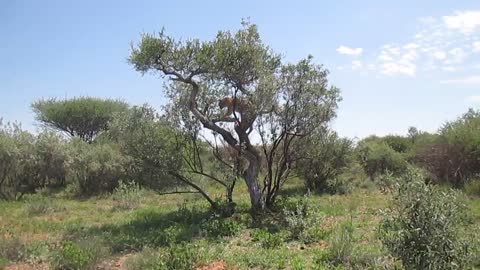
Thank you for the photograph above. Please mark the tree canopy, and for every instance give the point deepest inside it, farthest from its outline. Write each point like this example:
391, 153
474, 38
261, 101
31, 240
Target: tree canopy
83, 117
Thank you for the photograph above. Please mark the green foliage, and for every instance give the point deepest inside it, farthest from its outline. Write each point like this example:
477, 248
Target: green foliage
422, 226
341, 246
221, 227
454, 155
472, 187
377, 157
323, 158
127, 196
39, 205
83, 117
96, 168
181, 257
286, 101
303, 220
30, 162
78, 255
154, 147
267, 239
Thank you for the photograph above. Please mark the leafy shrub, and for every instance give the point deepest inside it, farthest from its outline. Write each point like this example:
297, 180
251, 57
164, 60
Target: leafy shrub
385, 181
96, 168
421, 227
472, 187
377, 157
181, 257
303, 221
151, 143
267, 239
221, 227
341, 244
77, 255
454, 155
323, 157
39, 204
127, 196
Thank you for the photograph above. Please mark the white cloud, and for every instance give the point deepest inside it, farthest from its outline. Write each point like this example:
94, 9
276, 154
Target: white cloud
449, 69
393, 68
476, 46
473, 99
440, 55
465, 80
411, 45
349, 51
456, 55
356, 64
464, 21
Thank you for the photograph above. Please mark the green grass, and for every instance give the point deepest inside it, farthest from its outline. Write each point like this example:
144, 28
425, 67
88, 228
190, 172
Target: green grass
182, 224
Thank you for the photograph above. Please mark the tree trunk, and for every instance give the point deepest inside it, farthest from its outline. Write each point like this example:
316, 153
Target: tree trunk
251, 179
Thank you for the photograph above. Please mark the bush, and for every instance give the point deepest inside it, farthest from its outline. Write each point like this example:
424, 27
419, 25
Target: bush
323, 158
221, 227
341, 245
303, 221
38, 205
151, 143
267, 239
96, 168
127, 196
179, 257
377, 158
421, 227
77, 255
472, 187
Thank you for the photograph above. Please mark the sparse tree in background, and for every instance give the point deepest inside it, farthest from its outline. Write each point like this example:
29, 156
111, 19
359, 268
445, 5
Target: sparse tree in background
278, 103
83, 117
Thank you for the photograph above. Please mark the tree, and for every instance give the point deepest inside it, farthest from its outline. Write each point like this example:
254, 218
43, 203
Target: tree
83, 117
287, 102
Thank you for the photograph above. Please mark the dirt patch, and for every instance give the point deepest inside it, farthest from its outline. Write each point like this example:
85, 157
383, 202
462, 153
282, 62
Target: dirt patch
24, 266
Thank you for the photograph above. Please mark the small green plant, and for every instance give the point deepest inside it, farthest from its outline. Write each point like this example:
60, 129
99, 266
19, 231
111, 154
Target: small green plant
40, 205
127, 196
303, 220
178, 257
341, 244
422, 226
221, 227
77, 255
148, 259
472, 187
267, 239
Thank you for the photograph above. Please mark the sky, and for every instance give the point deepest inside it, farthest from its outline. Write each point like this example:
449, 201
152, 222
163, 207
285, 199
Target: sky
398, 63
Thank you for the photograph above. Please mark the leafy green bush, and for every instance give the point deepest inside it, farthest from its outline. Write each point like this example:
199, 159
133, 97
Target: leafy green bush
77, 255
472, 187
341, 244
96, 168
127, 196
221, 227
38, 204
181, 257
152, 144
422, 226
323, 158
453, 156
267, 239
377, 157
303, 220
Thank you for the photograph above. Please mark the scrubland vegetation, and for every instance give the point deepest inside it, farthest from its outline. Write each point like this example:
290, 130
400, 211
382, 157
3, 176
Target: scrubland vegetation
107, 185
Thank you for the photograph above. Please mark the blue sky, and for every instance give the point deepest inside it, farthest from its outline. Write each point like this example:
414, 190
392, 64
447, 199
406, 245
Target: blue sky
398, 63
